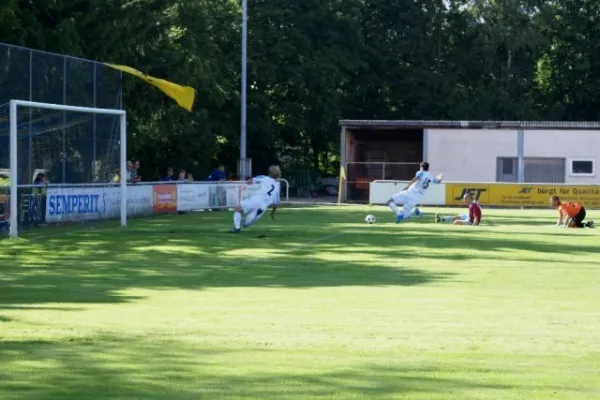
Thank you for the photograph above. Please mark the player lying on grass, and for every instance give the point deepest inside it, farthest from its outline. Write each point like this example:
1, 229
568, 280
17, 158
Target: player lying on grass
409, 197
254, 207
570, 214
472, 218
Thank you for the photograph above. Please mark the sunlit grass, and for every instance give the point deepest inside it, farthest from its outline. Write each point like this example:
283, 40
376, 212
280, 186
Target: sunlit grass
174, 307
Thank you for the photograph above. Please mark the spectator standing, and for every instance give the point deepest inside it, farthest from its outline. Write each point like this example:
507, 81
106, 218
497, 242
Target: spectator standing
129, 174
117, 177
169, 176
40, 189
40, 182
218, 174
184, 177
135, 176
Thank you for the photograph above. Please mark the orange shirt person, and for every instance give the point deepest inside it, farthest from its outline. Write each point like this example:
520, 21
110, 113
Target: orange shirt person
570, 214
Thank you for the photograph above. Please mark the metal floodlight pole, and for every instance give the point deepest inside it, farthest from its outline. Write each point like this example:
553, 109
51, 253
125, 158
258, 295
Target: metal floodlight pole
94, 149
64, 132
520, 156
13, 199
244, 89
30, 147
123, 167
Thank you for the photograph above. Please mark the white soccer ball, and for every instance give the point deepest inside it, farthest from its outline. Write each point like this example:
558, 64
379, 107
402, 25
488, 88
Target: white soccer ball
370, 219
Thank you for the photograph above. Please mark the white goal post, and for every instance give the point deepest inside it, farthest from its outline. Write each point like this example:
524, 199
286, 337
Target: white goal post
14, 185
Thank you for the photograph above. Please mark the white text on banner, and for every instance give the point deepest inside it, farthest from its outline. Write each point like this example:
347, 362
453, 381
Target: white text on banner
139, 200
80, 204
192, 196
92, 203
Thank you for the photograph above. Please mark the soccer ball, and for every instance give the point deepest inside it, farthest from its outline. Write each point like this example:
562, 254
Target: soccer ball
370, 219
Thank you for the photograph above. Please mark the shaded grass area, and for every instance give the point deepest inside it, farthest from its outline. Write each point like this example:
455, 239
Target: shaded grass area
174, 307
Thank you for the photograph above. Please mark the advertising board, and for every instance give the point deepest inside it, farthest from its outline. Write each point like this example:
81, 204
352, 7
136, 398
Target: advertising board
164, 199
522, 195
192, 196
218, 195
139, 200
4, 212
32, 206
78, 204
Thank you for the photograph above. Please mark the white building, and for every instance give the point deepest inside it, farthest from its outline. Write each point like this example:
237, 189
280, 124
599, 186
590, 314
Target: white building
470, 151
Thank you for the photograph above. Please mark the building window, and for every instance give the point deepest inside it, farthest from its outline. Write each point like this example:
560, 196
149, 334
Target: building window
536, 170
544, 170
506, 169
508, 166
582, 167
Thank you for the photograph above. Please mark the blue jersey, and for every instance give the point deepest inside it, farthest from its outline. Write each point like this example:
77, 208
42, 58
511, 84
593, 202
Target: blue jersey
424, 180
217, 175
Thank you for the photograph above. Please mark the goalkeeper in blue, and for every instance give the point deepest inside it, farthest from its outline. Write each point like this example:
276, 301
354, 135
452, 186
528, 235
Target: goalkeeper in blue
412, 194
255, 207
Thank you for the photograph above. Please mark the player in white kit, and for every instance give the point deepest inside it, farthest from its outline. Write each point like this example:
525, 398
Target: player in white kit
409, 197
255, 207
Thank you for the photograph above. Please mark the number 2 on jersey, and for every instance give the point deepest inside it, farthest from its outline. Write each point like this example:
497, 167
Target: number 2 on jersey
271, 191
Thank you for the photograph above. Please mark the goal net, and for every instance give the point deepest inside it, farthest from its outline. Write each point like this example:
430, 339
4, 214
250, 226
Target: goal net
59, 164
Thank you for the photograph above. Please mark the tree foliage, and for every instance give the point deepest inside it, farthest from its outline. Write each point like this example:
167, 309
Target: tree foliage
313, 62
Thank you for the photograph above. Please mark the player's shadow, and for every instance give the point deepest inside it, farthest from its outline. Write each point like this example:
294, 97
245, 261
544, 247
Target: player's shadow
93, 267
555, 233
469, 240
122, 368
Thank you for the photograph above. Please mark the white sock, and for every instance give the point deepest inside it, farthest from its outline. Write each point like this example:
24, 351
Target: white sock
237, 220
406, 213
394, 207
447, 219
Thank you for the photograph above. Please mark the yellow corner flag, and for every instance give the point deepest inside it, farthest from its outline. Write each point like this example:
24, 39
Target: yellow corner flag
183, 95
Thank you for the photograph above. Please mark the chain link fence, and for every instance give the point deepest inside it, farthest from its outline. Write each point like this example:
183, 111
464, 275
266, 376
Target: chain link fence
55, 146
67, 147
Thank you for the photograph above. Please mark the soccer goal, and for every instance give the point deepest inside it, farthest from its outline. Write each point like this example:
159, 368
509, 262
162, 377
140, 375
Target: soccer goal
61, 163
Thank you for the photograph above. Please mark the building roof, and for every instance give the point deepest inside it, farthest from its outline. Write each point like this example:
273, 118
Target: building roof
349, 123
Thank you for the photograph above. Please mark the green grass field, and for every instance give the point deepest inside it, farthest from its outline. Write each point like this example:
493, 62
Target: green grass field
324, 306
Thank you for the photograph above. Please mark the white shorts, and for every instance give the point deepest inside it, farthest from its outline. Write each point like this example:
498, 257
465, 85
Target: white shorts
254, 203
405, 198
465, 218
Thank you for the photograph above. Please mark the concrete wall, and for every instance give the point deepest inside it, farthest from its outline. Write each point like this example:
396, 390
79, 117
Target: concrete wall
568, 145
470, 155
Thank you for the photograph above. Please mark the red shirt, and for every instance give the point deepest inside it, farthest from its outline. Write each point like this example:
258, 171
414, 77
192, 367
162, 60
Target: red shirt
474, 211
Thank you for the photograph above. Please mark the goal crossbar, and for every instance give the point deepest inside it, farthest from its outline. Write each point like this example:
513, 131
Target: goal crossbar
13, 106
